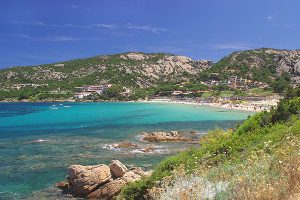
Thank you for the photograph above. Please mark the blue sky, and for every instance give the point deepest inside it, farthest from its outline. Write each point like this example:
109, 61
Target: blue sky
45, 31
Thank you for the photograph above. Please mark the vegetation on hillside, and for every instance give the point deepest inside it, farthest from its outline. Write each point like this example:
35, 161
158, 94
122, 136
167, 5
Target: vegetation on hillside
118, 69
258, 160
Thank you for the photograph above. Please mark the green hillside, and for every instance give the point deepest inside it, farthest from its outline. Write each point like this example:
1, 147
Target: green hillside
275, 67
257, 160
147, 73
135, 70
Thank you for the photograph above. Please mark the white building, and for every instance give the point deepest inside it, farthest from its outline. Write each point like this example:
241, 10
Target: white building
88, 90
96, 88
81, 95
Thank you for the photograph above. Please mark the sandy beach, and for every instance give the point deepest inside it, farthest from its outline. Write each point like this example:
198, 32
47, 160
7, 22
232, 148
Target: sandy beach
254, 106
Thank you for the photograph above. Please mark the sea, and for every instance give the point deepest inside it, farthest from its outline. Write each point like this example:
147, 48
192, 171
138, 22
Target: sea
38, 141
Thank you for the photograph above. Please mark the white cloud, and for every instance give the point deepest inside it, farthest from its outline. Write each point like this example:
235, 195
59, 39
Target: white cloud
39, 23
270, 18
128, 26
72, 26
275, 21
34, 23
17, 35
61, 39
68, 39
145, 28
74, 6
108, 26
233, 46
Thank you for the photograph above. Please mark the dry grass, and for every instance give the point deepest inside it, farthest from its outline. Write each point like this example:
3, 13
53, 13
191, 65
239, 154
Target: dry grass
261, 176
270, 177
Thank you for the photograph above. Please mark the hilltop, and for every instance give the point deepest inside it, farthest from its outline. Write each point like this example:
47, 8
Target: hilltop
263, 64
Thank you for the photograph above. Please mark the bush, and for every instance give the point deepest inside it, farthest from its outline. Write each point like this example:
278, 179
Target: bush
260, 133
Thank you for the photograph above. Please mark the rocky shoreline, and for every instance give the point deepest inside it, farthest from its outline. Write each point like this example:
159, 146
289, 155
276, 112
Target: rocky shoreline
155, 142
106, 181
99, 181
162, 136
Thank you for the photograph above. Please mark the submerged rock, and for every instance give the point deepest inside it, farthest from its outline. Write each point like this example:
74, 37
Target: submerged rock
148, 149
164, 136
126, 144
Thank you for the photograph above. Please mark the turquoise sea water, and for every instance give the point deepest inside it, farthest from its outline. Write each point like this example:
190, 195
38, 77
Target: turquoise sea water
38, 141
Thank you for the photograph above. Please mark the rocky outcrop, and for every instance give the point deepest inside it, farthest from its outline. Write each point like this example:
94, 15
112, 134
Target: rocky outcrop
124, 144
108, 190
164, 136
130, 176
117, 168
99, 181
275, 60
297, 68
134, 56
84, 179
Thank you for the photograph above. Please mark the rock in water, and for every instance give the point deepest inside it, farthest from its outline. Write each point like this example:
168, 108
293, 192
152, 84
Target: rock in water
84, 179
64, 185
108, 190
117, 168
163, 136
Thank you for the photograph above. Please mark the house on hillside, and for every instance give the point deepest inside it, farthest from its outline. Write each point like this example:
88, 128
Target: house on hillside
126, 92
87, 90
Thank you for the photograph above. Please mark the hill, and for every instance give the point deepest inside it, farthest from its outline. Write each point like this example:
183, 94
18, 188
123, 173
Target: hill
263, 64
148, 74
128, 69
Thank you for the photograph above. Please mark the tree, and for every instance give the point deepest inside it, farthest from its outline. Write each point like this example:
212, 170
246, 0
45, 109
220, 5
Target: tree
280, 85
113, 91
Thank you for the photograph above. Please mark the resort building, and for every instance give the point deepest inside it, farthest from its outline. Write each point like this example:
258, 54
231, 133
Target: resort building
96, 88
87, 90
232, 80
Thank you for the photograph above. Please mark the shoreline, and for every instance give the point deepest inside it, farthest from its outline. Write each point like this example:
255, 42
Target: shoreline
241, 107
251, 106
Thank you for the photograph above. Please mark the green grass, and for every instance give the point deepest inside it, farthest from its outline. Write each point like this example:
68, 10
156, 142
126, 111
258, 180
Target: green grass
265, 134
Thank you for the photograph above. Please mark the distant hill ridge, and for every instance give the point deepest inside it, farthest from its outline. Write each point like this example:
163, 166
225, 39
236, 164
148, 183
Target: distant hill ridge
132, 69
263, 64
138, 69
